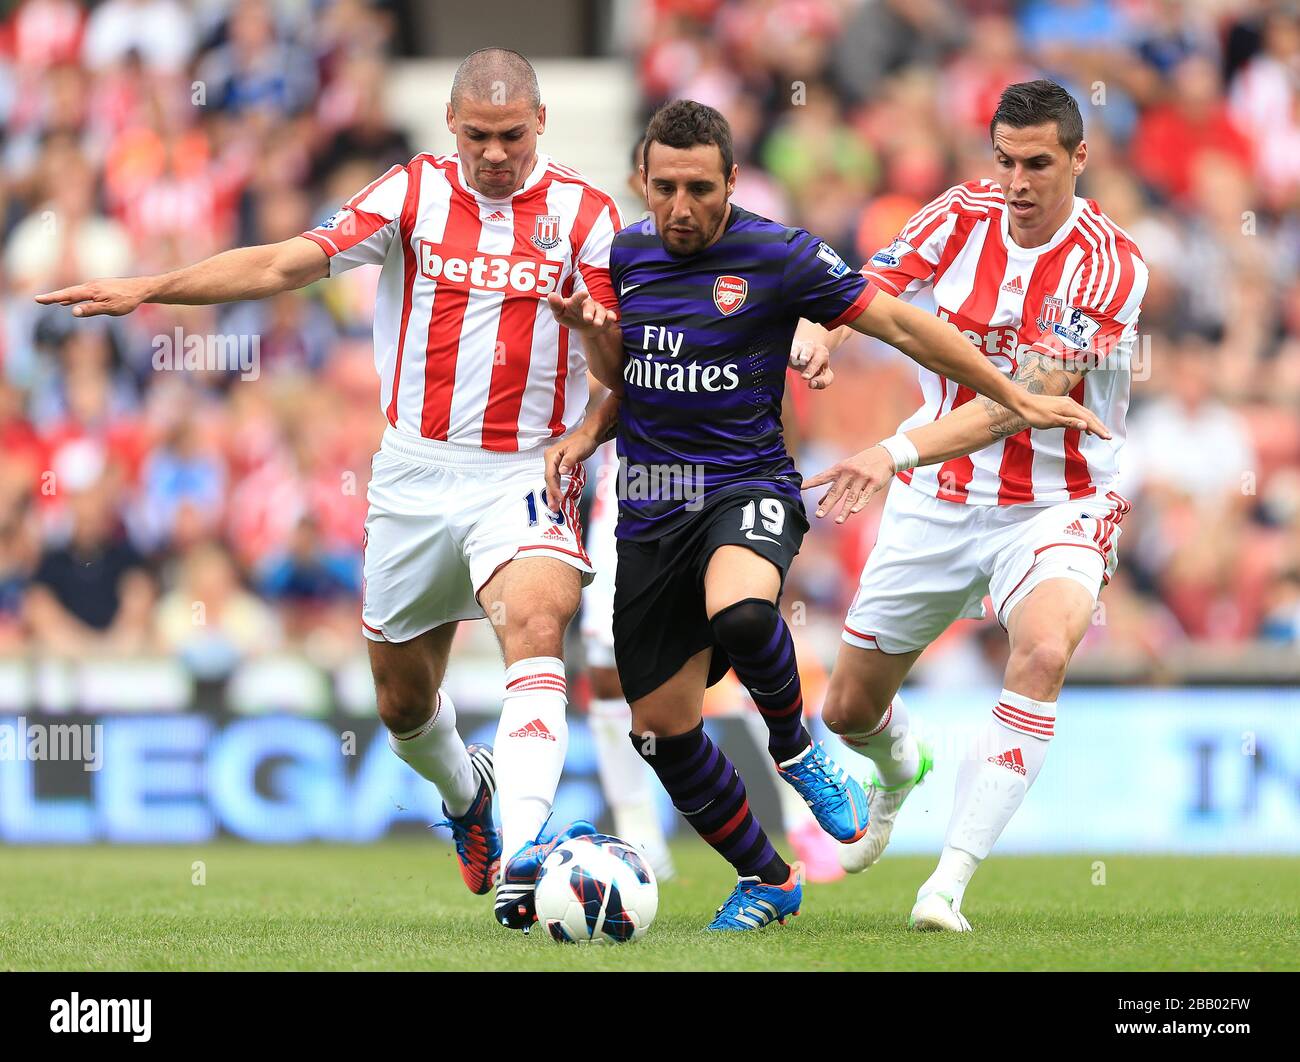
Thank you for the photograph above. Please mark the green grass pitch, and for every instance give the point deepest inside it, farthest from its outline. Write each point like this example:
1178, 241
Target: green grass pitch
400, 905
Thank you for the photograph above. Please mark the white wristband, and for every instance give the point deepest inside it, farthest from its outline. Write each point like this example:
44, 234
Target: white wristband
902, 450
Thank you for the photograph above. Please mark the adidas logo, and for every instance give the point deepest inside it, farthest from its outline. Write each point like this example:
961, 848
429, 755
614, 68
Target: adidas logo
1015, 286
554, 532
535, 729
1012, 760
496, 215
1076, 528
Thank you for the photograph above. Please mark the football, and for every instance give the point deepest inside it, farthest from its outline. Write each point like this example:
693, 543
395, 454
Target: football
596, 889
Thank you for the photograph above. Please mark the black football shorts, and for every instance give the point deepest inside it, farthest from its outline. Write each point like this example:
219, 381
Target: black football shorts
659, 616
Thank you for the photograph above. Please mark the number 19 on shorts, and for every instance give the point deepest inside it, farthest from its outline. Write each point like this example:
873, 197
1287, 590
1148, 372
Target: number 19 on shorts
530, 500
769, 511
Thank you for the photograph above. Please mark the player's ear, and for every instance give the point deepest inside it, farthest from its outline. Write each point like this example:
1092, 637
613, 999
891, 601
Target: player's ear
541, 119
451, 120
1080, 157
731, 179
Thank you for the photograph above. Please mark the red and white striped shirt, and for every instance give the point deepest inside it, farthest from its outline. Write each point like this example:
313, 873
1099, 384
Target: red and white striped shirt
1075, 297
467, 349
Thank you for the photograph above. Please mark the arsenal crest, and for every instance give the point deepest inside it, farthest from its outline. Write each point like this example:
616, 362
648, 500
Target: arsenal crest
729, 294
1053, 312
546, 232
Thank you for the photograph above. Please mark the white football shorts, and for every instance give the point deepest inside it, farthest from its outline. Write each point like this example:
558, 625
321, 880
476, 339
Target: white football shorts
934, 561
443, 518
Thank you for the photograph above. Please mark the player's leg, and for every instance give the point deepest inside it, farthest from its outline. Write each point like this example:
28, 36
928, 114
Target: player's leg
812, 846
740, 594
668, 733
416, 590
1045, 629
863, 706
1047, 571
704, 785
530, 602
741, 588
420, 717
663, 647
624, 778
527, 565
922, 575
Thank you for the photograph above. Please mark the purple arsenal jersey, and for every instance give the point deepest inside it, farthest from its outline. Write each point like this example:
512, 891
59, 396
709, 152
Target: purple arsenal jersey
707, 342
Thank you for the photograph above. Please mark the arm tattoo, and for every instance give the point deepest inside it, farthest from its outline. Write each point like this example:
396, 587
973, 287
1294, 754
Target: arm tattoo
611, 431
1039, 375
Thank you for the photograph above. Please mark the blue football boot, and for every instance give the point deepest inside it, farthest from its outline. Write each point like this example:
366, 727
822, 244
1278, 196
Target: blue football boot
839, 804
515, 906
753, 905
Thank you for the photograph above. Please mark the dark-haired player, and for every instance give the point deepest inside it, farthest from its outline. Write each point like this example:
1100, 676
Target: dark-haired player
1050, 288
710, 514
625, 780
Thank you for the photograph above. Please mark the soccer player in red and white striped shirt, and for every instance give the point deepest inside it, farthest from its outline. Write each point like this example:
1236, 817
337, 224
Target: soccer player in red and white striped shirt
1049, 288
477, 377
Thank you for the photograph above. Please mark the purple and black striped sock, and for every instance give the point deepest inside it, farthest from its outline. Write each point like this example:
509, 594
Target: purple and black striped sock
762, 654
707, 789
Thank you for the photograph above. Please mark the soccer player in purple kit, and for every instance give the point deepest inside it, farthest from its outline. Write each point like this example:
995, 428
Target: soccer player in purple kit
695, 355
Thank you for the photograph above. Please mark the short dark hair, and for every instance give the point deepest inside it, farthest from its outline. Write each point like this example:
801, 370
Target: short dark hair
684, 124
1036, 102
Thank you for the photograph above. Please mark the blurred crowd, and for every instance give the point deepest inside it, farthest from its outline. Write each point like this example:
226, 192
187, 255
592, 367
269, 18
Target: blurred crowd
851, 114
212, 514
151, 500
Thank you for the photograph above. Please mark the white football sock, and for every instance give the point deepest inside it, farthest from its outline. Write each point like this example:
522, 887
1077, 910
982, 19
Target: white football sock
890, 745
952, 875
436, 752
991, 784
532, 738
625, 778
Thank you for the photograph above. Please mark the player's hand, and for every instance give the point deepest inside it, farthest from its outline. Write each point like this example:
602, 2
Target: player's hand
1048, 411
853, 481
814, 360
561, 460
111, 297
580, 312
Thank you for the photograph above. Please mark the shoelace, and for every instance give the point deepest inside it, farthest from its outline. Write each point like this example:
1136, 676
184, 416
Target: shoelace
530, 844
736, 902
461, 835
824, 781
732, 900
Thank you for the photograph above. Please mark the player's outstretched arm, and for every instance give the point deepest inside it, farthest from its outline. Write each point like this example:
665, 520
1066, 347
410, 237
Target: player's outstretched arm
941, 348
244, 273
966, 429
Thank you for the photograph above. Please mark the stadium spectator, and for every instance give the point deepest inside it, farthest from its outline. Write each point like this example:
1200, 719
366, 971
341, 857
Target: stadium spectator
92, 592
209, 620
158, 32
847, 117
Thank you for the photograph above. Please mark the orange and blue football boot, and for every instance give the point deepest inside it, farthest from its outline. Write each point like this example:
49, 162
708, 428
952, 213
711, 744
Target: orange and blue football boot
477, 840
838, 803
753, 905
516, 906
